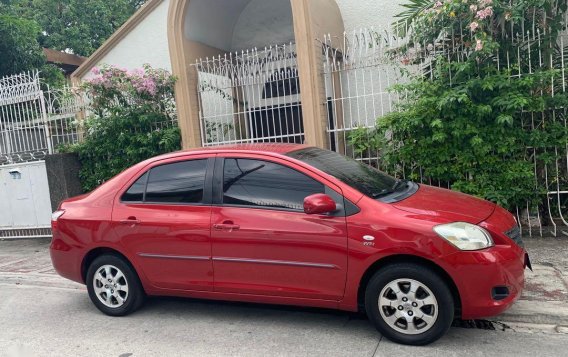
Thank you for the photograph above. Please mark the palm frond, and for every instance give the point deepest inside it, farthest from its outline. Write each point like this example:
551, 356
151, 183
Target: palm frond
412, 9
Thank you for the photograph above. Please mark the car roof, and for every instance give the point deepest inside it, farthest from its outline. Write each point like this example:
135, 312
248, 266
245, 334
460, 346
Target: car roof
275, 148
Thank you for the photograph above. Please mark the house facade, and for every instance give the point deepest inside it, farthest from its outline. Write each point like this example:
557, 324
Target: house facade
248, 70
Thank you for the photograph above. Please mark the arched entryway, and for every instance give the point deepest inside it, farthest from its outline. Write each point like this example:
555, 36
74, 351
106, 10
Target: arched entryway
250, 70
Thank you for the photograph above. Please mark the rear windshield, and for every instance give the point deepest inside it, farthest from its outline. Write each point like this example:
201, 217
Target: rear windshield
363, 178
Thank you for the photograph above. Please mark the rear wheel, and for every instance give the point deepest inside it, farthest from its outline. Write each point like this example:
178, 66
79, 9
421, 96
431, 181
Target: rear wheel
113, 286
409, 304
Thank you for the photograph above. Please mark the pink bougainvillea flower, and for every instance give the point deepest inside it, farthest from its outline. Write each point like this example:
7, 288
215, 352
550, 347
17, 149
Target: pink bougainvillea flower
482, 14
95, 81
479, 45
96, 70
437, 4
473, 26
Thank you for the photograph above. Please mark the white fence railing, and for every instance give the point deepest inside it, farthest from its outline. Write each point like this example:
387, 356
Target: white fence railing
63, 107
34, 122
250, 96
24, 133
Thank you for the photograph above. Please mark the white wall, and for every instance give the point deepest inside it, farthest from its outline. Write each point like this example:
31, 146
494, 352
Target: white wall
146, 43
241, 25
212, 21
234, 25
263, 23
368, 13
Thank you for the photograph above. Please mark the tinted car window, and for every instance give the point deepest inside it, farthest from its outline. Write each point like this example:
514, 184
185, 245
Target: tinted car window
265, 184
363, 178
136, 192
180, 182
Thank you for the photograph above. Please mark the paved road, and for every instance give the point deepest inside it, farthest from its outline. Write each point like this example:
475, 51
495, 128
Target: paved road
44, 315
43, 321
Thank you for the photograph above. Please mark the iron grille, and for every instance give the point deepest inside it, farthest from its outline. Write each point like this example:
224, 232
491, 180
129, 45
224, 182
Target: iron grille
515, 235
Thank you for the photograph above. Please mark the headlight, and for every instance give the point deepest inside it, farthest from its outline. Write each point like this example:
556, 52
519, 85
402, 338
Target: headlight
465, 236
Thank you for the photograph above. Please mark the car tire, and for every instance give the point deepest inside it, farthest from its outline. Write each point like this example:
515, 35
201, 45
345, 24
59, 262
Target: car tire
114, 286
409, 304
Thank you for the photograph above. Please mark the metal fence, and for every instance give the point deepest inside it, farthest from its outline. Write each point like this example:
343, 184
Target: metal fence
360, 68
250, 96
34, 122
64, 106
24, 133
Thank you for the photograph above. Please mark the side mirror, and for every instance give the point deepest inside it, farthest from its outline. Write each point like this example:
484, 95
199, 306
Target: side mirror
319, 203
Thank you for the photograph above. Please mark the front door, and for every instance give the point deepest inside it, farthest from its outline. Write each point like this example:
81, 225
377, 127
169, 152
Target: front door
262, 241
164, 218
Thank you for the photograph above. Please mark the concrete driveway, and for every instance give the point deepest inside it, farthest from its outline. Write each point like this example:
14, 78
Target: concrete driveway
44, 315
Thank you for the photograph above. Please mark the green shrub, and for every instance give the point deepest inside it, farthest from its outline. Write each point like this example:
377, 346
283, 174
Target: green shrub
467, 121
132, 119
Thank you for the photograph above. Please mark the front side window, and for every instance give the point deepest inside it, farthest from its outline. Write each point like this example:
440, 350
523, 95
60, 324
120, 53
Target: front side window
180, 182
265, 184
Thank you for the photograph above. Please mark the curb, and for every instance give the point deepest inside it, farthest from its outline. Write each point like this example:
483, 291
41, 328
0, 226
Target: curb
548, 315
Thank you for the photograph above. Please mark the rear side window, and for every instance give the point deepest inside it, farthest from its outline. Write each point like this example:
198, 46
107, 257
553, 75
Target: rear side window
136, 192
180, 182
265, 184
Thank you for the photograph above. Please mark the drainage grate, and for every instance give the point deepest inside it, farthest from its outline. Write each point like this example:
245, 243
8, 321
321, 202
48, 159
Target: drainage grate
16, 233
481, 324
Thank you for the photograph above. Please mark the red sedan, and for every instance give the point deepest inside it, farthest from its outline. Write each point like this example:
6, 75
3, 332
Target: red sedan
291, 224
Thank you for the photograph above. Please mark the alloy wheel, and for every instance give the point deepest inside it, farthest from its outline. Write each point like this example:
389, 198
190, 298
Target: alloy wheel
110, 286
408, 306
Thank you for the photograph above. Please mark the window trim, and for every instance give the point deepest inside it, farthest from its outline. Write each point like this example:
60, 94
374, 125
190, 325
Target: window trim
207, 184
219, 178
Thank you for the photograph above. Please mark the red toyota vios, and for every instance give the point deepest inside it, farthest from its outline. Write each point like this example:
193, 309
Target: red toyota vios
291, 224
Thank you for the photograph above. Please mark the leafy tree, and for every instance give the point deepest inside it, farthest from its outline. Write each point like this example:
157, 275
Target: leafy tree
20, 51
78, 26
19, 47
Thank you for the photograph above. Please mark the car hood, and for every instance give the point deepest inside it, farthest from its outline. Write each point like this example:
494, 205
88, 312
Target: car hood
446, 205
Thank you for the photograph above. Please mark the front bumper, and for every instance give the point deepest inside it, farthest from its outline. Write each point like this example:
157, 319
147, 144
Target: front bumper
477, 274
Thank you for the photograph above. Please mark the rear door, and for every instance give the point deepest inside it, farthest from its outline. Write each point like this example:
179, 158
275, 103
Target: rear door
262, 241
164, 220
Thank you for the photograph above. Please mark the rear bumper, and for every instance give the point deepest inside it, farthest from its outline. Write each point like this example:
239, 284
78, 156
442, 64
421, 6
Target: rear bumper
478, 273
66, 259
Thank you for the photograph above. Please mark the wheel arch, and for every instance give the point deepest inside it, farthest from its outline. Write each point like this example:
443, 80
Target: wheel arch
97, 252
407, 258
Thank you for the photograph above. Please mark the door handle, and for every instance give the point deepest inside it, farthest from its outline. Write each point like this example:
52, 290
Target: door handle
226, 226
130, 220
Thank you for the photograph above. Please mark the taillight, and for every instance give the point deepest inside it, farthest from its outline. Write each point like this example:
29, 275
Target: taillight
55, 215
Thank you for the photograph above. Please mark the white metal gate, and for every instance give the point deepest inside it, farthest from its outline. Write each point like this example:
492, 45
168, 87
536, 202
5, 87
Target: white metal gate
25, 204
24, 133
30, 127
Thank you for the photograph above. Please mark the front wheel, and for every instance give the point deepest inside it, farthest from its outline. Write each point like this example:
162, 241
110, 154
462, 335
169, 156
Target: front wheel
409, 304
113, 286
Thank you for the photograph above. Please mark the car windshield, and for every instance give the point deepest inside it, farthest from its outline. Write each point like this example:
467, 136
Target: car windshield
364, 178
